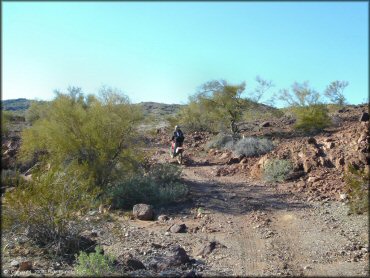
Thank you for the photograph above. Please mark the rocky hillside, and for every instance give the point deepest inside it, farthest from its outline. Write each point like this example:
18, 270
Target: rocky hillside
160, 110
19, 104
319, 161
234, 223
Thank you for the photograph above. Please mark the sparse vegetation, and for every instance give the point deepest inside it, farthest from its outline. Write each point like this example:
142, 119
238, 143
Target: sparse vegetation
334, 92
5, 119
220, 141
95, 264
252, 146
276, 170
312, 115
10, 178
46, 207
357, 187
159, 186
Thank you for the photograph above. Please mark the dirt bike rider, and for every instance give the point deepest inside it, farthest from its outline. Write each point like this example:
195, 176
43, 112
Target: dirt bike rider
178, 136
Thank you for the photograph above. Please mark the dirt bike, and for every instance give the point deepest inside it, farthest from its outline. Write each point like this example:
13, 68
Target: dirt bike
178, 154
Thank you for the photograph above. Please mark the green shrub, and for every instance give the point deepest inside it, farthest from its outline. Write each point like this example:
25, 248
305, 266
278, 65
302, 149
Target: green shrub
159, 186
220, 141
46, 208
94, 264
164, 173
97, 134
251, 146
37, 110
357, 187
276, 170
312, 118
10, 178
5, 120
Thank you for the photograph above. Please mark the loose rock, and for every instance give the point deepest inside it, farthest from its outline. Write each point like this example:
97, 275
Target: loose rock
143, 212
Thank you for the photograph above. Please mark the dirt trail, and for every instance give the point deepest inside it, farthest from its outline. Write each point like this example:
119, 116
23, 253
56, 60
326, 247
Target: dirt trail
267, 232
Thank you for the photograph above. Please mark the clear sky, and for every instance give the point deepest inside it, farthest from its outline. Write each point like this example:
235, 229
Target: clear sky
163, 51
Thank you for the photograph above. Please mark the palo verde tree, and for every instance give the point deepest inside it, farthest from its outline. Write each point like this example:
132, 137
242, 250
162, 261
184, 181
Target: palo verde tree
222, 102
96, 135
312, 115
334, 92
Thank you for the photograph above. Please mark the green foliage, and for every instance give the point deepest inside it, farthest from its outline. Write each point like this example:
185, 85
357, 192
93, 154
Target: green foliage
334, 92
357, 187
37, 110
305, 104
94, 264
220, 141
216, 106
251, 146
159, 186
276, 170
98, 135
194, 117
5, 120
10, 178
259, 112
164, 173
312, 118
46, 208
302, 95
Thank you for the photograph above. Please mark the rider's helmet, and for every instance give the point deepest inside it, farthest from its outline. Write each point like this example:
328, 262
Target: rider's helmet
176, 127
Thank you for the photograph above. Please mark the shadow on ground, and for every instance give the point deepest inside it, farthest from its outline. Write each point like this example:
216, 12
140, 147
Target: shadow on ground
235, 199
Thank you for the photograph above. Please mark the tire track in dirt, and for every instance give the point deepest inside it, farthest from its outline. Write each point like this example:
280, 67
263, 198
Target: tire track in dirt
245, 247
302, 243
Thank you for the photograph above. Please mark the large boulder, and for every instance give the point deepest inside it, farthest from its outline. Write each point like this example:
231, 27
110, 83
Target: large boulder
143, 212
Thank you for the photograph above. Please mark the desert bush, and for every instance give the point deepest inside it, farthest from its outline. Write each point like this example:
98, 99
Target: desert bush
220, 141
5, 120
46, 208
10, 178
96, 134
304, 102
36, 111
251, 146
193, 117
164, 173
94, 264
334, 92
312, 118
357, 188
276, 170
159, 186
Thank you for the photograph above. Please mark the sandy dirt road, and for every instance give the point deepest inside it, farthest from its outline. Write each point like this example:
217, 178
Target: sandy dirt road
268, 232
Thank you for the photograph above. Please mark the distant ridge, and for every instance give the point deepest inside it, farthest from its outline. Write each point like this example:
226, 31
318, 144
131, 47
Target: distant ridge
19, 104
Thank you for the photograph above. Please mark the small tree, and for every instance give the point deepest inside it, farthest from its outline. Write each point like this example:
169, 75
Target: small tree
96, 134
261, 89
223, 102
334, 92
312, 115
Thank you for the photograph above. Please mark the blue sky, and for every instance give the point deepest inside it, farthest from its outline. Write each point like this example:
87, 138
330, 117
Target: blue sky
163, 51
